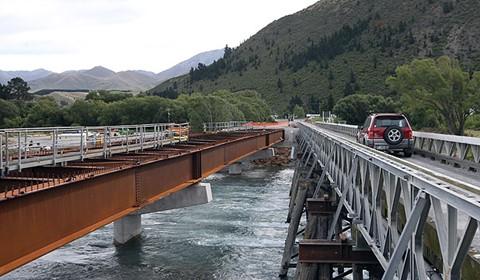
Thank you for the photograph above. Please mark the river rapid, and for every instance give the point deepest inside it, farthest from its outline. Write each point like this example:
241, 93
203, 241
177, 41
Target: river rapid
239, 235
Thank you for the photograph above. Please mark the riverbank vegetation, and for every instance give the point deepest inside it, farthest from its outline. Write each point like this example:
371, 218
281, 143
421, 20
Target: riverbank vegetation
436, 95
20, 109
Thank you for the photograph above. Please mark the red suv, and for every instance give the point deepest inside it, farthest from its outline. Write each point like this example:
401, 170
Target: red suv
387, 132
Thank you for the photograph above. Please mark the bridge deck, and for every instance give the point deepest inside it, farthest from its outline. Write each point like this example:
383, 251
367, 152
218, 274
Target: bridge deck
442, 169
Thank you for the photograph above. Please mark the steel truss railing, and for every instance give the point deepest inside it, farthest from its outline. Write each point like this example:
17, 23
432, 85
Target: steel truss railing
225, 126
389, 204
347, 129
461, 150
30, 147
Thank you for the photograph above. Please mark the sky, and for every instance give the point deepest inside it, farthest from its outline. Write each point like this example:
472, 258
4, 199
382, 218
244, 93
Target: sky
151, 35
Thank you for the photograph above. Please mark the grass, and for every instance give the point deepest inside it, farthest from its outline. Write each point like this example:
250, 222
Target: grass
472, 133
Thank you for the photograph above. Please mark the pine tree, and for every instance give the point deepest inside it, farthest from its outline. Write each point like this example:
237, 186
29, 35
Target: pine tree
330, 103
280, 85
348, 90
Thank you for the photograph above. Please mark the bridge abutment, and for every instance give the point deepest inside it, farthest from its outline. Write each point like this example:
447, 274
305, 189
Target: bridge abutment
130, 226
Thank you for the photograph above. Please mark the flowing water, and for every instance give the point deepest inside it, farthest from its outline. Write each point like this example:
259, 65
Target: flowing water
239, 235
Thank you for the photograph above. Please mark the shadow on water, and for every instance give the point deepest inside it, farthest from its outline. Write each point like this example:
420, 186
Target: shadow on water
239, 235
130, 253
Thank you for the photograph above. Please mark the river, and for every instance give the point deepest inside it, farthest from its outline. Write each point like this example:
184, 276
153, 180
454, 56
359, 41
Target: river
239, 235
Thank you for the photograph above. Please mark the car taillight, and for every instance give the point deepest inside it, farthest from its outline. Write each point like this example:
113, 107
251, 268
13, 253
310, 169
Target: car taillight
408, 133
370, 133
374, 133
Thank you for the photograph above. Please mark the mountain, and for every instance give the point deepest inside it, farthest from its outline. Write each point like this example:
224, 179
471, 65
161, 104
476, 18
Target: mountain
183, 67
339, 47
96, 78
147, 73
100, 77
99, 72
6, 76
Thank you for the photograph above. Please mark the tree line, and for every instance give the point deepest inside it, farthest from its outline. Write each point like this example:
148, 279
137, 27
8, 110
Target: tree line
107, 108
436, 94
223, 65
328, 47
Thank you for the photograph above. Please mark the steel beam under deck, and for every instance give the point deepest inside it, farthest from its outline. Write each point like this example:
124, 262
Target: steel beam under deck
334, 252
44, 208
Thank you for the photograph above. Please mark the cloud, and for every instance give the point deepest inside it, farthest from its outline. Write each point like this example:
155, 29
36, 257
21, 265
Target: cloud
127, 34
10, 24
37, 47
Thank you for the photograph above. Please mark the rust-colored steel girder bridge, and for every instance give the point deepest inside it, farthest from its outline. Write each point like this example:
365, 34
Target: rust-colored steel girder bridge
45, 207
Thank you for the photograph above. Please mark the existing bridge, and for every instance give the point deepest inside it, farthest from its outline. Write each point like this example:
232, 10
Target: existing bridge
58, 184
370, 211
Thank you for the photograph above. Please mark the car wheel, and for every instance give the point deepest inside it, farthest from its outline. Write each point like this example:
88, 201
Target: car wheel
393, 135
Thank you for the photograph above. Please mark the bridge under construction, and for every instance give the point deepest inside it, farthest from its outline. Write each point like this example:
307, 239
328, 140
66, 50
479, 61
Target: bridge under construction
77, 180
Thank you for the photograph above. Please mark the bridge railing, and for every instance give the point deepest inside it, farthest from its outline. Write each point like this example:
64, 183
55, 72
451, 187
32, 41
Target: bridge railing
460, 150
225, 126
347, 129
29, 147
394, 206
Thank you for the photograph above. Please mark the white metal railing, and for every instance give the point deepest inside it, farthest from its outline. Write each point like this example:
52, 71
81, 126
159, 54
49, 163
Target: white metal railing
29, 147
377, 190
225, 126
460, 149
347, 129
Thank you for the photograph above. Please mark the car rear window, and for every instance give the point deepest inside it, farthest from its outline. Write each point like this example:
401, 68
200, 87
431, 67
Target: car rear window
387, 121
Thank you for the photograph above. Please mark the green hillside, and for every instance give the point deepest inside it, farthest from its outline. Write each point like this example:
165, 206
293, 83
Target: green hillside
339, 47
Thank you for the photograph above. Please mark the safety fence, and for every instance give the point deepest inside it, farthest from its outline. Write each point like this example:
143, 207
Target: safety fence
225, 126
30, 147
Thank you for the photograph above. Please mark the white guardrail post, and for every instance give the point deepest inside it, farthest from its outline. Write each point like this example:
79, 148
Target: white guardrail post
2, 169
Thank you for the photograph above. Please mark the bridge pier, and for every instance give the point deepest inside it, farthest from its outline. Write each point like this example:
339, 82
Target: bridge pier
326, 250
127, 228
130, 226
237, 167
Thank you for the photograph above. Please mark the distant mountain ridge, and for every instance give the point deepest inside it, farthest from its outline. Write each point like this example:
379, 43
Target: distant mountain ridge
96, 78
101, 78
6, 76
335, 48
183, 67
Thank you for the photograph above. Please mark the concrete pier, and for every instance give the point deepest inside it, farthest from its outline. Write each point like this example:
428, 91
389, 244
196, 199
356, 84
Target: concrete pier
197, 194
127, 228
246, 163
235, 169
263, 154
130, 226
